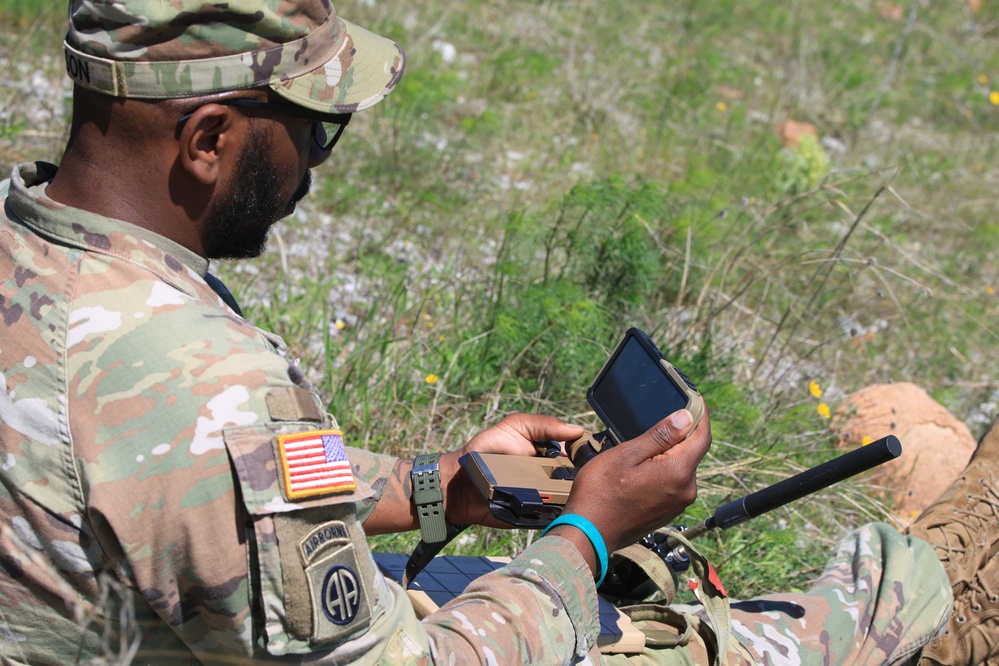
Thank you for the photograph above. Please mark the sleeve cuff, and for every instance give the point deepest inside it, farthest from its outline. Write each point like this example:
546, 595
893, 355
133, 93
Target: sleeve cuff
374, 468
557, 563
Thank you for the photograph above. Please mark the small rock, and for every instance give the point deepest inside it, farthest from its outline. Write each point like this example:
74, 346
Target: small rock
791, 131
936, 446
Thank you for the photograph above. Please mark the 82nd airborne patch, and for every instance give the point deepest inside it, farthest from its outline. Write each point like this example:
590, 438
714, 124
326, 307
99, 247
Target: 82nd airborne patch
340, 595
341, 603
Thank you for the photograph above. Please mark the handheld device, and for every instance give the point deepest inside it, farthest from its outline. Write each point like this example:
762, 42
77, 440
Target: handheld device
636, 388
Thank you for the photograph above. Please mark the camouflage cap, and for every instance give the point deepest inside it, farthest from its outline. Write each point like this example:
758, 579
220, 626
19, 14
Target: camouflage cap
156, 49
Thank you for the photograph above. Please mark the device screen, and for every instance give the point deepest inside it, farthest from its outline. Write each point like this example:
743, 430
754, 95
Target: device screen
635, 393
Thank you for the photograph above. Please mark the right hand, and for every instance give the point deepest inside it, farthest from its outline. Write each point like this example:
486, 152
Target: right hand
640, 485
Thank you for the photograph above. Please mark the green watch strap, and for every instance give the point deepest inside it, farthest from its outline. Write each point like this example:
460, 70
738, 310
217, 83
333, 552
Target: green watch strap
428, 497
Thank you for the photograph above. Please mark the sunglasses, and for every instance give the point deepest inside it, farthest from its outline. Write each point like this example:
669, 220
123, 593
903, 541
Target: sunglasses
326, 127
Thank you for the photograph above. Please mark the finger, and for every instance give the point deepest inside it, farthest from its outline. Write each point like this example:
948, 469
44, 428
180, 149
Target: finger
515, 434
695, 446
661, 437
537, 428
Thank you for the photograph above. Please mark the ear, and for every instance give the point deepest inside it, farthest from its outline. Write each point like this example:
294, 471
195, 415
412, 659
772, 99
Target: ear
206, 139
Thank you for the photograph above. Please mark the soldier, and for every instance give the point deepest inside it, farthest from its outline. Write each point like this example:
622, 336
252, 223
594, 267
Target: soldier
174, 492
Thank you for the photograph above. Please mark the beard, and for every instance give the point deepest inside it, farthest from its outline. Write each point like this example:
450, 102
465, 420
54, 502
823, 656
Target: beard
240, 217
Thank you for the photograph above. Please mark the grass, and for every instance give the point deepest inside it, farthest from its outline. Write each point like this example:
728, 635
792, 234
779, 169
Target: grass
479, 241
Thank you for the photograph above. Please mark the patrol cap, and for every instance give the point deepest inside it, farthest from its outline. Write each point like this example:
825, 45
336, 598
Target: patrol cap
157, 49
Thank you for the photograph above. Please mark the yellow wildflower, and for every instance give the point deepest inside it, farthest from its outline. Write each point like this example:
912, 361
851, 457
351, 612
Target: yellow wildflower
823, 410
990, 290
721, 106
815, 389
994, 97
340, 324
983, 79
431, 378
865, 440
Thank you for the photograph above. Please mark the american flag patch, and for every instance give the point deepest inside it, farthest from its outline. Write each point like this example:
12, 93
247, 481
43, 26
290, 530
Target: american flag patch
314, 463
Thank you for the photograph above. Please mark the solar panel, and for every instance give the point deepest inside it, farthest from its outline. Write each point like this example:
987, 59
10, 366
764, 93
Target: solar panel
447, 576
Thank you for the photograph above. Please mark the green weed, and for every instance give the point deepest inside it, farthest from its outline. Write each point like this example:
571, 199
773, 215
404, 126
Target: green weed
24, 12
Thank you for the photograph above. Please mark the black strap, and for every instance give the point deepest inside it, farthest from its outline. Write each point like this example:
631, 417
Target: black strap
223, 291
427, 551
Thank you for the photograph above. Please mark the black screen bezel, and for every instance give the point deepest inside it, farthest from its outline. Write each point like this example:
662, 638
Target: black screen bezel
619, 423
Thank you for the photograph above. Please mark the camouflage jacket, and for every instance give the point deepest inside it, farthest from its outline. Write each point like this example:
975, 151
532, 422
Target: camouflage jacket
146, 492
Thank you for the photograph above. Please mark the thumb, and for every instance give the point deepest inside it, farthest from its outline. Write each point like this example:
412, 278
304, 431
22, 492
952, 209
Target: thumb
663, 436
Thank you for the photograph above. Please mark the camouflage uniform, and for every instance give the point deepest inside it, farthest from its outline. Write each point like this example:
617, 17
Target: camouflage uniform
882, 597
140, 424
139, 433
149, 510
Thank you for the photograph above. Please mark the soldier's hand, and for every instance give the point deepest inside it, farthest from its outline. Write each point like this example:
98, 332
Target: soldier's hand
639, 486
463, 503
514, 435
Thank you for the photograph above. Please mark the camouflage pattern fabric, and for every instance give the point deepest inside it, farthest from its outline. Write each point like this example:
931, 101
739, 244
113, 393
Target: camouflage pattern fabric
882, 597
146, 519
299, 48
144, 514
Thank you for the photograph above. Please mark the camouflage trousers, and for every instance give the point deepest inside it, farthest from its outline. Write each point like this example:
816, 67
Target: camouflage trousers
882, 597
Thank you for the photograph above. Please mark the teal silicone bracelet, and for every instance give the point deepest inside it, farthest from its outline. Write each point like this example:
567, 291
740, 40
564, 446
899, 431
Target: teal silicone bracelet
591, 532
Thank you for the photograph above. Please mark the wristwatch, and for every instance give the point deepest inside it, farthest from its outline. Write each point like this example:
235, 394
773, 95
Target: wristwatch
429, 498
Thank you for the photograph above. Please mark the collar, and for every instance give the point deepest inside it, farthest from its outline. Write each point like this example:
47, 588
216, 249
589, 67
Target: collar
78, 228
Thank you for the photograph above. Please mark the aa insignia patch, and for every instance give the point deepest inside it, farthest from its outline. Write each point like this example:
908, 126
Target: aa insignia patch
314, 463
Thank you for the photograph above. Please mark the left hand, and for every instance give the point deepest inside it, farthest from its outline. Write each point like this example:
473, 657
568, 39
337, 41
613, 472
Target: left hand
463, 503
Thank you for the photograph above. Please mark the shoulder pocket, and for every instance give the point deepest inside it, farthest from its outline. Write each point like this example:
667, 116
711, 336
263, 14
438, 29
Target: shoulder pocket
319, 585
